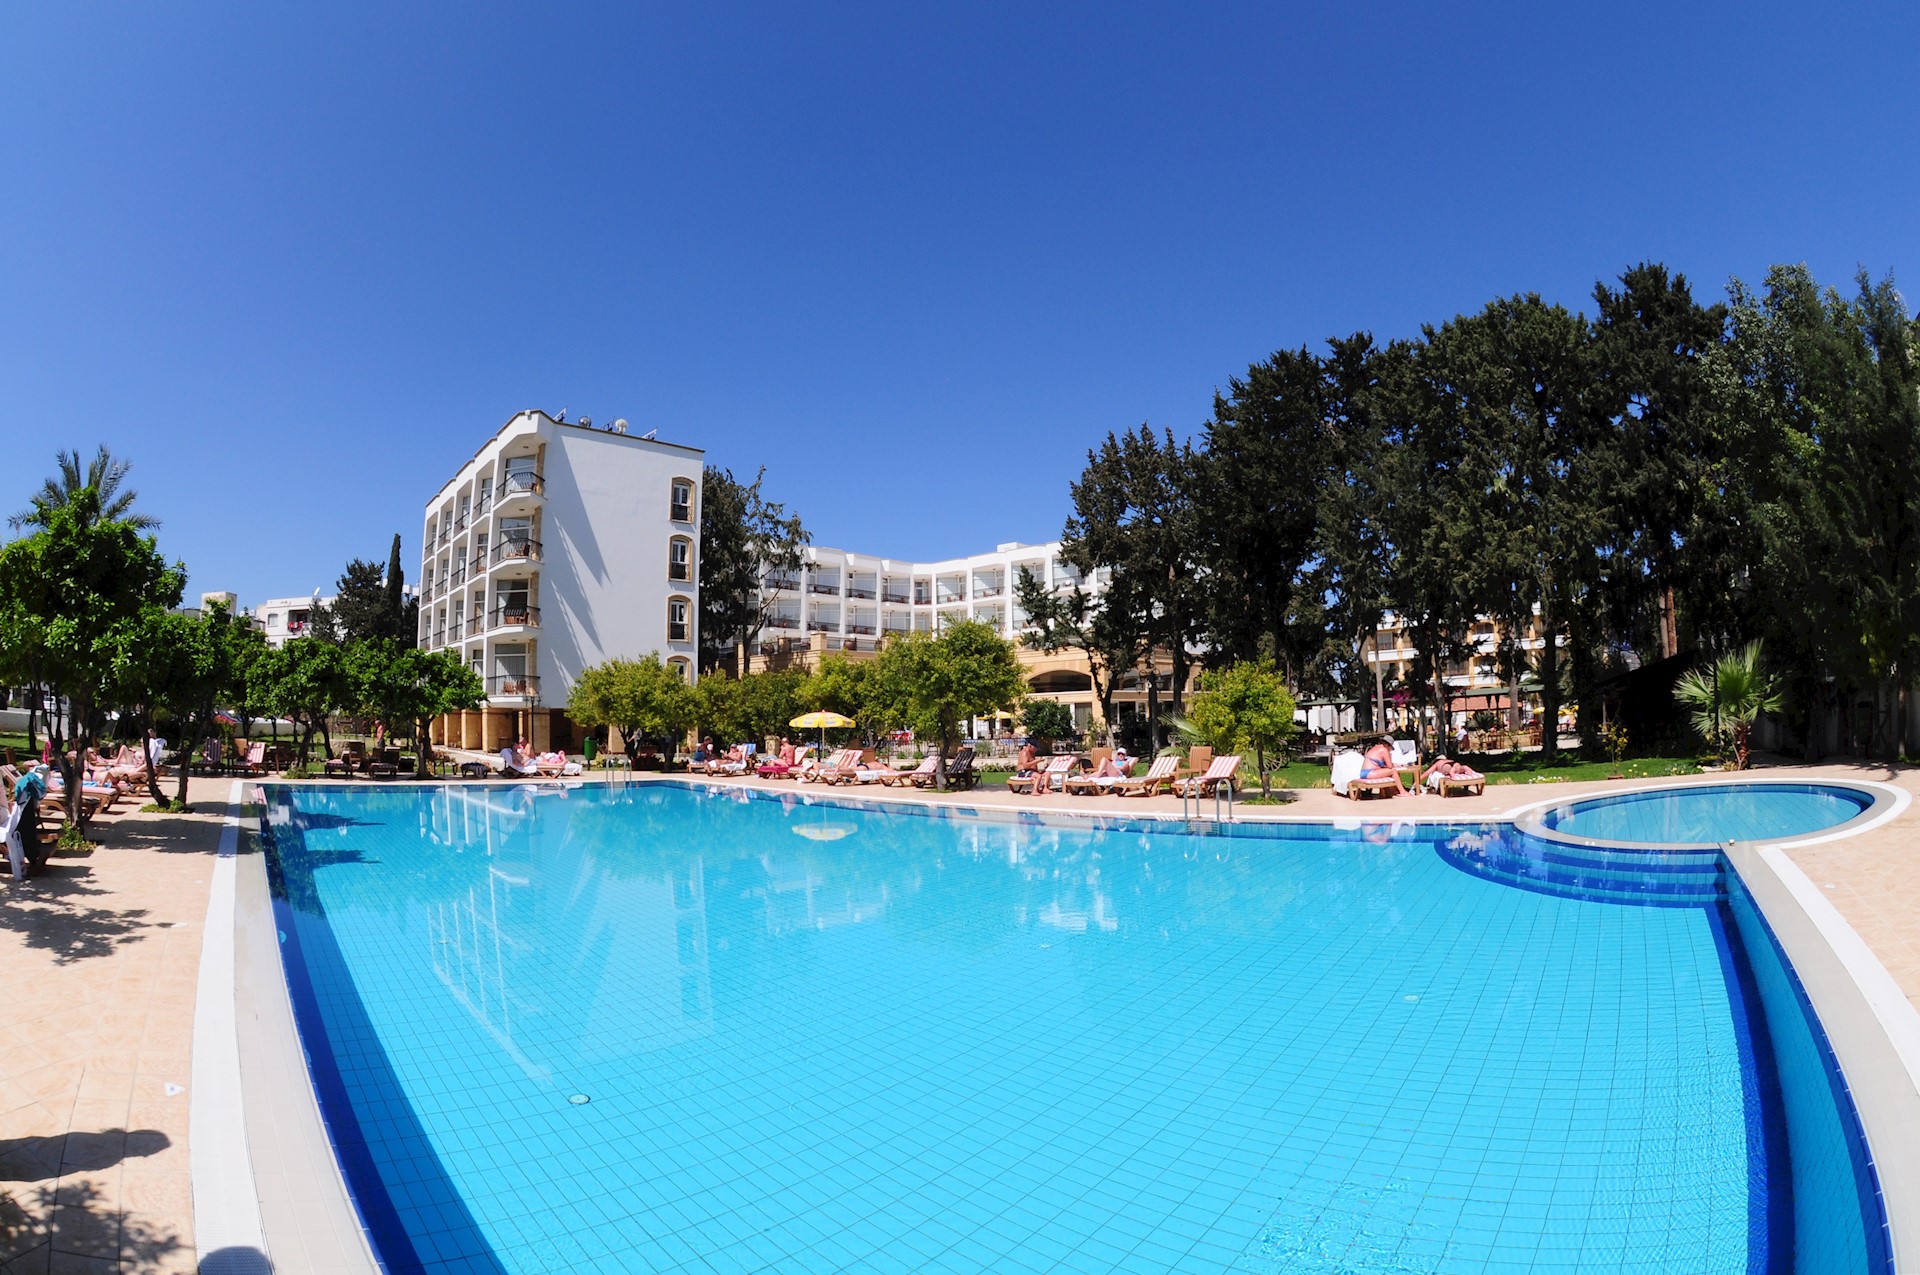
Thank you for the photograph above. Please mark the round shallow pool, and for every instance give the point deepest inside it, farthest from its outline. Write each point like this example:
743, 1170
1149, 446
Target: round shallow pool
1708, 814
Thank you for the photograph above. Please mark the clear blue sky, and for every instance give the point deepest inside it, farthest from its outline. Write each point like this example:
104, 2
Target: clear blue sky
296, 266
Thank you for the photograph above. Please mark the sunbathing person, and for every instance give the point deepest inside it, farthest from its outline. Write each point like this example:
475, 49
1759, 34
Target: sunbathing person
1377, 763
1027, 762
1445, 767
514, 763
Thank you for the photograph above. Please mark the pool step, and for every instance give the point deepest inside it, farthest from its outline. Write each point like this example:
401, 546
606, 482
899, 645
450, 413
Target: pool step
1677, 878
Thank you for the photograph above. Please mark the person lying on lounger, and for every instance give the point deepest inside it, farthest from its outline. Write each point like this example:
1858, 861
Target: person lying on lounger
1446, 767
513, 760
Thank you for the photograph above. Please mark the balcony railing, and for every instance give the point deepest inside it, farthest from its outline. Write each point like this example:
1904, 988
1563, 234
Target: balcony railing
519, 482
779, 583
898, 599
516, 551
480, 510
515, 615
820, 626
439, 638
476, 626
514, 686
831, 590
782, 622
861, 628
990, 591
478, 564
459, 524
859, 593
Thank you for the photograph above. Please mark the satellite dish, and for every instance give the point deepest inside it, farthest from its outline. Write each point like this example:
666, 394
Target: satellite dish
586, 422
620, 425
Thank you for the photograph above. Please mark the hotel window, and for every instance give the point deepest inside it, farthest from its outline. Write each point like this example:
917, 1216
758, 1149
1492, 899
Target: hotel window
680, 559
678, 623
682, 510
680, 666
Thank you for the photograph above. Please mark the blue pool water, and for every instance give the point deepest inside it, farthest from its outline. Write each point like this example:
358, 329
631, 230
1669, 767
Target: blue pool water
649, 1028
1709, 814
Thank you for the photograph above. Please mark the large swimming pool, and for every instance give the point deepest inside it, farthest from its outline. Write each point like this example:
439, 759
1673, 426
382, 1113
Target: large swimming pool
657, 1027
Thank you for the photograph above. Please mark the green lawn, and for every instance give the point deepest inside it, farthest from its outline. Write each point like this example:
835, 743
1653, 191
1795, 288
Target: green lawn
1521, 768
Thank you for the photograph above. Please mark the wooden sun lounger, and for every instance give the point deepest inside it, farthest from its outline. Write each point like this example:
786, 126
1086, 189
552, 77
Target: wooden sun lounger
1383, 785
1454, 786
1158, 776
895, 778
1044, 775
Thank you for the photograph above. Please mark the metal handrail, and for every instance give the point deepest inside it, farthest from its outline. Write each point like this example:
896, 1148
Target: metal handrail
517, 481
502, 616
516, 550
508, 686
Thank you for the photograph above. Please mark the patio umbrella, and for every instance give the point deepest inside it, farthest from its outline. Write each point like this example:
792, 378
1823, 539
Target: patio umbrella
820, 719
823, 831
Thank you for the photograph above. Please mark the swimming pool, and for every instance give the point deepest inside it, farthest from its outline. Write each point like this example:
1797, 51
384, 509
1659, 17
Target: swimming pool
655, 1028
1708, 814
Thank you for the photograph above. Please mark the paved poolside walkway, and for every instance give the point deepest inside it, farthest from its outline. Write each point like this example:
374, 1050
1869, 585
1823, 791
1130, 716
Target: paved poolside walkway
100, 956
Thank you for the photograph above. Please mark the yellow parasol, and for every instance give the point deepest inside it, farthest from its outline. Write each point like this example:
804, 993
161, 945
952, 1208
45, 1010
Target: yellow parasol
820, 719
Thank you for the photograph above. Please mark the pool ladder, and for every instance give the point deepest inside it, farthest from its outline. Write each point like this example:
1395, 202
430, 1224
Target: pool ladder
1197, 820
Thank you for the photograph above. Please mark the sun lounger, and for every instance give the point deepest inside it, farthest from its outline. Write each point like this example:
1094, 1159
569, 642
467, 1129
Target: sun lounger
1460, 785
1221, 772
1054, 768
1159, 776
1093, 785
895, 778
836, 769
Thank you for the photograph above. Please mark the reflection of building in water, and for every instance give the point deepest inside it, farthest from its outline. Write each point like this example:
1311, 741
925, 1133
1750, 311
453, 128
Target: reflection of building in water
797, 899
1065, 865
470, 953
556, 948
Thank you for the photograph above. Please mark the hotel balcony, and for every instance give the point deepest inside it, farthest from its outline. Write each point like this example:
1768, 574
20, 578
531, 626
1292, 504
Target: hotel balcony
829, 589
783, 622
515, 551
476, 626
517, 485
514, 617
520, 687
782, 584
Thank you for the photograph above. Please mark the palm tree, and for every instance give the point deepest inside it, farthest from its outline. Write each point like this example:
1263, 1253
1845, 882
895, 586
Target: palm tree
1729, 698
104, 474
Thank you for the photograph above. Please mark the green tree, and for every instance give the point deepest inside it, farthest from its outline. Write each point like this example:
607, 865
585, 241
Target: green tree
304, 682
1047, 719
966, 672
1136, 515
402, 625
415, 686
74, 583
743, 536
1105, 629
362, 609
103, 474
1242, 706
1728, 699
644, 699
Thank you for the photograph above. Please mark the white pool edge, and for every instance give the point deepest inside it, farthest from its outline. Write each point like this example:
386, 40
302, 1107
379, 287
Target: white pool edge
1872, 1026
226, 1200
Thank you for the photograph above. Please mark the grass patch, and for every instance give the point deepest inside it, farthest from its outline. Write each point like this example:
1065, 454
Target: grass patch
1512, 768
165, 808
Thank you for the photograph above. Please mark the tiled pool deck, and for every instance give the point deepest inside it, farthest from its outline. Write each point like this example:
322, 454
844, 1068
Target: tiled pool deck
103, 955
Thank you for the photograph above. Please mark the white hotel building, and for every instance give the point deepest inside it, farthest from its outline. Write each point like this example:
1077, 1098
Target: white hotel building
557, 547
841, 601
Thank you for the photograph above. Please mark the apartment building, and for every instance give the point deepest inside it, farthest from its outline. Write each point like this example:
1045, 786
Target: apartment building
283, 619
1475, 681
556, 547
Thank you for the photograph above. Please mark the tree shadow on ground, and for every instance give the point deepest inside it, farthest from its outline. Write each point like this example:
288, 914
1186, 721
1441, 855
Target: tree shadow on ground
166, 834
49, 912
41, 1224
78, 1151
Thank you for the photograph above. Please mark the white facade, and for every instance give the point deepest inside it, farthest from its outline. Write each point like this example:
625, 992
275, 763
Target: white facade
857, 599
282, 619
557, 547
